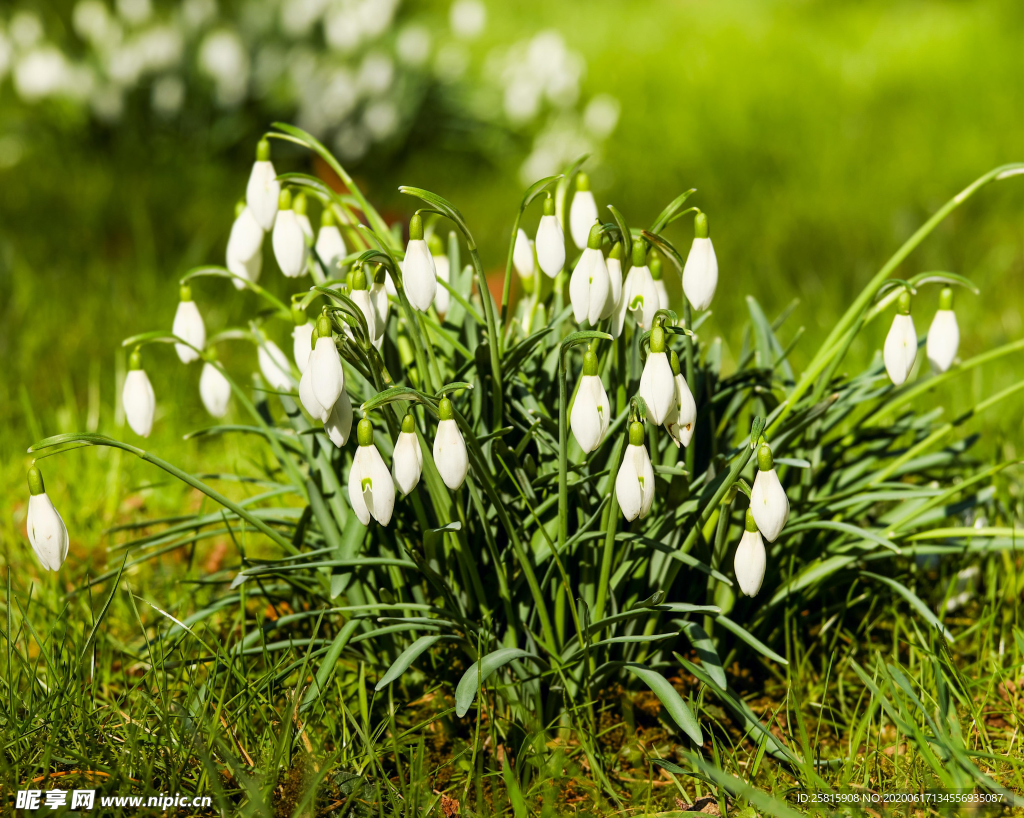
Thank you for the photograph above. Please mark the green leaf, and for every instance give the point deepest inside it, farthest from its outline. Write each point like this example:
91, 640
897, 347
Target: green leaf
397, 393
750, 639
667, 249
668, 215
940, 277
515, 794
537, 188
672, 701
627, 239
443, 206
705, 650
407, 657
451, 387
914, 600
584, 336
465, 693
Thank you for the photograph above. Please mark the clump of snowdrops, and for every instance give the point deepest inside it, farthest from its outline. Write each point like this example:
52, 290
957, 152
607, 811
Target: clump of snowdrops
567, 493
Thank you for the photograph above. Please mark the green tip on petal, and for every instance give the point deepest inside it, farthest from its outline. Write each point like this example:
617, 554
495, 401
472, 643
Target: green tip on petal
700, 225
946, 298
298, 315
379, 274
639, 253
300, 203
589, 362
185, 292
445, 410
594, 239
582, 181
35, 481
549, 206
765, 461
364, 432
750, 525
903, 305
636, 433
655, 265
657, 339
435, 245
284, 201
359, 279
239, 207
408, 423
327, 218
263, 150
616, 251
135, 359
416, 227
313, 336
673, 359
348, 280
323, 326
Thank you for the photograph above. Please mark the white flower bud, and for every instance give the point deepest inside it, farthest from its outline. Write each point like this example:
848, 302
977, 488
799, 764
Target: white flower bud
274, 366
338, 424
407, 463
639, 295
44, 525
683, 417
442, 298
371, 490
249, 270
943, 334
768, 501
522, 255
450, 454
263, 189
330, 244
308, 399
138, 398
188, 325
419, 275
614, 266
214, 390
582, 211
246, 238
361, 298
749, 562
700, 274
379, 300
590, 410
657, 383
302, 344
289, 240
900, 350
326, 373
550, 245
589, 286
634, 484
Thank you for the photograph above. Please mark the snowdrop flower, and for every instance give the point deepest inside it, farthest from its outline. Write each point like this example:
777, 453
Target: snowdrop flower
749, 562
449, 447
302, 338
245, 246
550, 241
768, 501
614, 266
330, 245
326, 374
45, 527
379, 300
659, 285
683, 416
215, 390
289, 239
700, 273
188, 325
407, 463
360, 295
657, 383
522, 255
900, 350
589, 286
299, 205
634, 484
370, 488
338, 424
442, 298
263, 189
943, 334
590, 409
274, 365
639, 295
418, 273
308, 399
582, 211
137, 397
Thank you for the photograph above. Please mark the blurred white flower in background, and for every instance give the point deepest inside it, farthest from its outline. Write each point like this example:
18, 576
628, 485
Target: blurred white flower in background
468, 18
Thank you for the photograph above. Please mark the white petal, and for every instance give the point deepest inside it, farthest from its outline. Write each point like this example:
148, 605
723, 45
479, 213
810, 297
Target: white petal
619, 316
46, 532
683, 416
627, 485
139, 402
419, 275
214, 390
588, 419
582, 215
407, 462
700, 274
943, 340
599, 294
339, 421
900, 348
614, 267
652, 300
769, 504
249, 270
579, 286
326, 373
188, 325
379, 299
262, 192
289, 243
330, 247
639, 295
360, 470
380, 494
306, 225
308, 399
450, 454
246, 237
659, 288
550, 246
442, 298
749, 562
658, 387
646, 473
302, 344
274, 366
522, 255
362, 300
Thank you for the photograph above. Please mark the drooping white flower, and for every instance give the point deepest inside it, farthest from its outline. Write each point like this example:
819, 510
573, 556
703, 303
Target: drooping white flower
137, 396
768, 501
634, 484
750, 559
248, 270
700, 273
659, 284
44, 525
215, 390
360, 295
522, 255
371, 491
582, 211
442, 267
589, 286
614, 266
330, 244
550, 241
407, 462
943, 334
900, 350
263, 189
379, 300
338, 424
450, 454
418, 273
302, 339
326, 373
274, 365
299, 205
657, 383
289, 239
591, 409
308, 399
639, 295
245, 246
188, 325
683, 416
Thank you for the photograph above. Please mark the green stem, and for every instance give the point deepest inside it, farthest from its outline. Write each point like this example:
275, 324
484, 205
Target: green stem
690, 382
498, 398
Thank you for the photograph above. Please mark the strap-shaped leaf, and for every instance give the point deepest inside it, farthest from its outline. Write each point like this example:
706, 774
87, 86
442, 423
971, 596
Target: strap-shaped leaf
407, 657
442, 206
465, 693
627, 239
705, 650
672, 701
750, 639
667, 249
914, 600
668, 215
583, 337
397, 393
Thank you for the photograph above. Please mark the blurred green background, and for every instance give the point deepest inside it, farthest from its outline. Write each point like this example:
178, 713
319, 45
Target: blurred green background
819, 136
